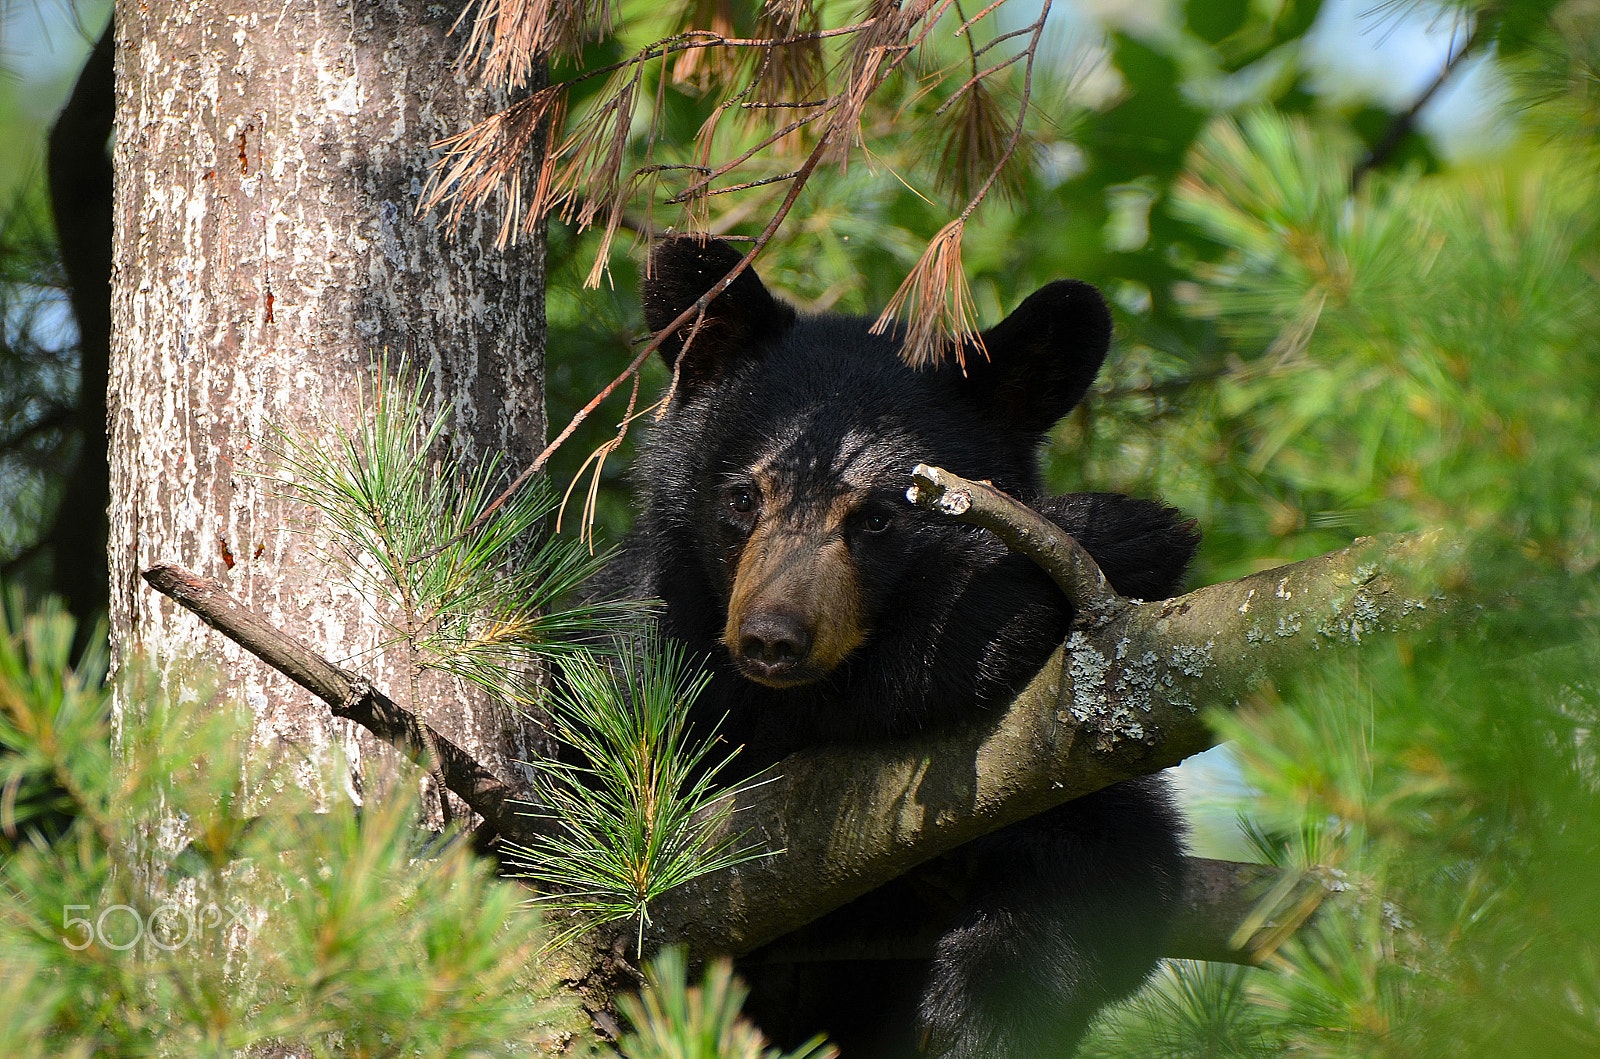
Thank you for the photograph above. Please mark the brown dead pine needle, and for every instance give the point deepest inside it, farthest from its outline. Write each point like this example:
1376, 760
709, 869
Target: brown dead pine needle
935, 302
509, 37
602, 138
934, 299
490, 159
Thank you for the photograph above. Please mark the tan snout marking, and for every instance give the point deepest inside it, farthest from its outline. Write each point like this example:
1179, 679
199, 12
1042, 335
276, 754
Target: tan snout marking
802, 567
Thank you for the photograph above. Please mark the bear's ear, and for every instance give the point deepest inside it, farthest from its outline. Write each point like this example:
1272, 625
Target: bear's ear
739, 321
1042, 358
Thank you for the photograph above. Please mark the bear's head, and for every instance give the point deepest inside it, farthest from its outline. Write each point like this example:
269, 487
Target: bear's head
779, 471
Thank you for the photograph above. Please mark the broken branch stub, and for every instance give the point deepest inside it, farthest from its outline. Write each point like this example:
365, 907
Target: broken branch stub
1025, 532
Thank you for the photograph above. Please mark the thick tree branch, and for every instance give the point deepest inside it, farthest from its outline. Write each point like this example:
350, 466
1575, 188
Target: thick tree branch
1230, 912
1113, 703
348, 695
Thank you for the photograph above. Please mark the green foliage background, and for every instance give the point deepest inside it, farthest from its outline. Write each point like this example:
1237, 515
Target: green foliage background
146, 909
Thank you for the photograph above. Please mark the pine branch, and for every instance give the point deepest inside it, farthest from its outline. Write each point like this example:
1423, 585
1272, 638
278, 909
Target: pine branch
696, 312
934, 296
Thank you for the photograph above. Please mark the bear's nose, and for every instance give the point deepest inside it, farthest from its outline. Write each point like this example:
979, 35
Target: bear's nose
776, 639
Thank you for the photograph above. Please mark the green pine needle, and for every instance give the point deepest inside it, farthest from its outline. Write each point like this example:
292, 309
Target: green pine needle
484, 605
673, 1020
638, 813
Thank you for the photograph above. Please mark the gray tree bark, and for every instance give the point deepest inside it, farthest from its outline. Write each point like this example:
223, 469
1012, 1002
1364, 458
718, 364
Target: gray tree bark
267, 255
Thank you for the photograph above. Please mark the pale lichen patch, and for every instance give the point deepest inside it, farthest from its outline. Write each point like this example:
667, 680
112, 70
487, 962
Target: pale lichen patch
1139, 680
1192, 660
1088, 667
1109, 716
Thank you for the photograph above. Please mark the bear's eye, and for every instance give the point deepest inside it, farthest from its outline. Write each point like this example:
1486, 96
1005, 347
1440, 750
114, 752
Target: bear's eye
742, 499
876, 521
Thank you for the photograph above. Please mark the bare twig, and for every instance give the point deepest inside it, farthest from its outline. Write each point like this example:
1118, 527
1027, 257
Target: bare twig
1026, 532
348, 695
977, 76
1002, 38
1403, 123
968, 23
763, 182
799, 123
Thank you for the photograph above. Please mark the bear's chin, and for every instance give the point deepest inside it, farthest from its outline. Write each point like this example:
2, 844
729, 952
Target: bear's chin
794, 677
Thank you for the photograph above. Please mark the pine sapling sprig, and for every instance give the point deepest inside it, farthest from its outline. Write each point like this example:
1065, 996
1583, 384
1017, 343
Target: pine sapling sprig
637, 798
483, 605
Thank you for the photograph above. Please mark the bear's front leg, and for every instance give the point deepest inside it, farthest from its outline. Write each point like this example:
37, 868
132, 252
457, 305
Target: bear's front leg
1072, 912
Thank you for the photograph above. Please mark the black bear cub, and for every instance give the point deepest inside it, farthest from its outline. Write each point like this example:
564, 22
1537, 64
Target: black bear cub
774, 526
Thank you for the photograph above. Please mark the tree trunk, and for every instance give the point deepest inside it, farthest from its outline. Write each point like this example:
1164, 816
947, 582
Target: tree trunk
267, 254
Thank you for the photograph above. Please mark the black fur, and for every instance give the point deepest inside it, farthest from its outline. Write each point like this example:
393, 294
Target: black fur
1061, 913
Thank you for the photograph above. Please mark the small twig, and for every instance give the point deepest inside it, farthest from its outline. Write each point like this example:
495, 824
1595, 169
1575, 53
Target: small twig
799, 123
922, 343
348, 695
978, 75
975, 19
774, 106
663, 167
1402, 123
755, 183
1002, 38
1025, 532
1031, 52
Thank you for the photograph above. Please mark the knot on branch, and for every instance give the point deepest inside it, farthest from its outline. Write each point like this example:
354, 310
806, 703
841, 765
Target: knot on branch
360, 689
